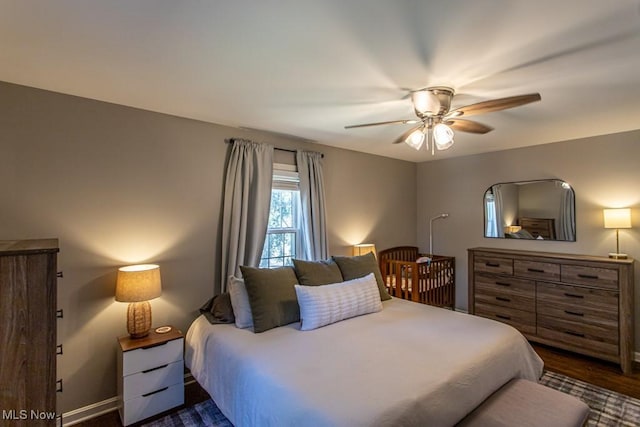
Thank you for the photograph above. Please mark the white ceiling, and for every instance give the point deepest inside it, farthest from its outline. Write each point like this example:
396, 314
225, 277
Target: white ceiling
309, 67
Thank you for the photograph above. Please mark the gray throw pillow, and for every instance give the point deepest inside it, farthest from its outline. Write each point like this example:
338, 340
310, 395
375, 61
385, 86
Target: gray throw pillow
355, 267
218, 309
313, 273
272, 296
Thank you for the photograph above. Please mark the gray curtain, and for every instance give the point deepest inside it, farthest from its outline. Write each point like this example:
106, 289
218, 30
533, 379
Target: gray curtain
567, 213
497, 197
315, 244
247, 196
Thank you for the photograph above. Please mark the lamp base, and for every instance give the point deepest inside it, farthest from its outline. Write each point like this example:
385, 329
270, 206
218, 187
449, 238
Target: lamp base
139, 319
615, 255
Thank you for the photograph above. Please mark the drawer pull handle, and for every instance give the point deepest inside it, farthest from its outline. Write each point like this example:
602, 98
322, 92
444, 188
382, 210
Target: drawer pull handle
154, 369
575, 334
503, 299
587, 276
149, 347
492, 264
154, 392
574, 313
566, 294
500, 316
535, 270
503, 284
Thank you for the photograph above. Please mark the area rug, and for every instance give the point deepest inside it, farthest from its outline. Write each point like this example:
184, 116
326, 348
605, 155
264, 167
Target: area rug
608, 408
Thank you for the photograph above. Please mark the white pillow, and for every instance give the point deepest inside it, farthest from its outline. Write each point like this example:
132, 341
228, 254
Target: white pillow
240, 303
326, 304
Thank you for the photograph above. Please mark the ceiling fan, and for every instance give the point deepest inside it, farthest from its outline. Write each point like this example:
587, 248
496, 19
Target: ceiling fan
436, 121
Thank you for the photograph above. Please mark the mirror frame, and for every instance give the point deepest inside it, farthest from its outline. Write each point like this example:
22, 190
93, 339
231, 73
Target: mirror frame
539, 225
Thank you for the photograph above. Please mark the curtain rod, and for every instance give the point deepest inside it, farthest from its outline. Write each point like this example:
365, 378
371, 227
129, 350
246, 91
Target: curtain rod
230, 140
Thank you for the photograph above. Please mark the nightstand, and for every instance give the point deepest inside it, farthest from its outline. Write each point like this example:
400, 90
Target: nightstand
150, 374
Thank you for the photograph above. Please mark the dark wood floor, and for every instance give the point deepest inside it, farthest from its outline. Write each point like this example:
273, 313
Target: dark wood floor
603, 374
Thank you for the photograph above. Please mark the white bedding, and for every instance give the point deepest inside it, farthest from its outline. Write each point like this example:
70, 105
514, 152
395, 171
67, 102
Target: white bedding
409, 364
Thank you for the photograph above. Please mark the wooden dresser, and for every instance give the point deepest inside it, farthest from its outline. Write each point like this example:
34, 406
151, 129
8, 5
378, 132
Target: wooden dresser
28, 332
574, 302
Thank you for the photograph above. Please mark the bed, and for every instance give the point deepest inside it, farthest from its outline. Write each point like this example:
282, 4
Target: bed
403, 266
408, 364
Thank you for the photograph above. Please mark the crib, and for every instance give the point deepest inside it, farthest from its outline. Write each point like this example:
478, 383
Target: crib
430, 281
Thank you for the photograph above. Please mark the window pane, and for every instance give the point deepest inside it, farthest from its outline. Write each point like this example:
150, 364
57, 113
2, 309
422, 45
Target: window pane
280, 244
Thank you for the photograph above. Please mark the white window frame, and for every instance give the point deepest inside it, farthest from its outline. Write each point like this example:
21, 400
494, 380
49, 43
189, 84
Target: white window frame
285, 177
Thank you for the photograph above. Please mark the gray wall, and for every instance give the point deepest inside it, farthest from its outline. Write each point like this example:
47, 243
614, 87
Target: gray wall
604, 171
120, 186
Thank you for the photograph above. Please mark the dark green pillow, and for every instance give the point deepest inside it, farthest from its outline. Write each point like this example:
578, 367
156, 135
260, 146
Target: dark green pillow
355, 267
218, 309
272, 296
312, 273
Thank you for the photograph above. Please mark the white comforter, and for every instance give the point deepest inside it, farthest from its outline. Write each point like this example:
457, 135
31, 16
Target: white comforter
407, 365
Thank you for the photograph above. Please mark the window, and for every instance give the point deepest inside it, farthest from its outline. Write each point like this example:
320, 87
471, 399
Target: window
490, 214
282, 242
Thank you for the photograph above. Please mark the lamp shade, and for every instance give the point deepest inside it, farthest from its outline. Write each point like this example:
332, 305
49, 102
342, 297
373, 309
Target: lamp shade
136, 283
416, 139
617, 218
443, 136
363, 249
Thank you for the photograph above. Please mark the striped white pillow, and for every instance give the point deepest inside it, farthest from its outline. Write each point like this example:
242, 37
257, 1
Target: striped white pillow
326, 304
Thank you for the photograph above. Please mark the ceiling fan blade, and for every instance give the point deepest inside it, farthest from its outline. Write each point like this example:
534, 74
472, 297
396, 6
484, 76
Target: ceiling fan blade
391, 122
405, 135
494, 105
468, 126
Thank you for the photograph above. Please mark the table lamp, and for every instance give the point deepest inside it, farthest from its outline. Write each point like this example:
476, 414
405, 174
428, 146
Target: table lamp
137, 284
363, 249
617, 218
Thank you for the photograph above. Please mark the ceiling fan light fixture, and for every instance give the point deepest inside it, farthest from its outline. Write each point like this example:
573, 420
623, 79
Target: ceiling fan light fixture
442, 136
415, 140
425, 102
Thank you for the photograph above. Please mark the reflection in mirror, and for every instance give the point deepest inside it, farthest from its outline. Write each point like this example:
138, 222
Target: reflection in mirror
540, 210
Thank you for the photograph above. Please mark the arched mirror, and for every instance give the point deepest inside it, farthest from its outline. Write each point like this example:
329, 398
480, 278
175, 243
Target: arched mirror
534, 210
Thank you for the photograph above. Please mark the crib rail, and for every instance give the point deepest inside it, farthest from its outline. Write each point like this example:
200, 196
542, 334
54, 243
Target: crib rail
427, 283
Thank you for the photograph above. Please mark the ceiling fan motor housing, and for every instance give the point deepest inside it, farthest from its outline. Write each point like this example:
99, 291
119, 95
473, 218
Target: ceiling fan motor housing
432, 102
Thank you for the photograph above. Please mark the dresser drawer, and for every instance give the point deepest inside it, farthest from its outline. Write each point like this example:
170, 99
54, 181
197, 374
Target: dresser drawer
519, 295
493, 264
600, 339
142, 407
506, 285
144, 382
606, 278
536, 269
143, 359
594, 306
524, 321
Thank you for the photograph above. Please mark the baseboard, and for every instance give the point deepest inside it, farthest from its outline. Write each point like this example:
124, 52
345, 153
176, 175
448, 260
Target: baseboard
96, 409
90, 411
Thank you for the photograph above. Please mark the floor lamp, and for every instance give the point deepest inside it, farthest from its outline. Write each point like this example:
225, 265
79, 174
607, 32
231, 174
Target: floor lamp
442, 215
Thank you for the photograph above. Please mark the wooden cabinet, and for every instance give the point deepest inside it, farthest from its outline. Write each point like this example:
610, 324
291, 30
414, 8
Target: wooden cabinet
575, 302
539, 227
150, 375
28, 332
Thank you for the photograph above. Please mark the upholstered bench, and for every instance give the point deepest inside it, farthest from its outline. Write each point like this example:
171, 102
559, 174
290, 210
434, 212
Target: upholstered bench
522, 403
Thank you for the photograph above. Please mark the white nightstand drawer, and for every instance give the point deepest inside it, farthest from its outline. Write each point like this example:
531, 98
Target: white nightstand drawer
154, 379
145, 406
143, 359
